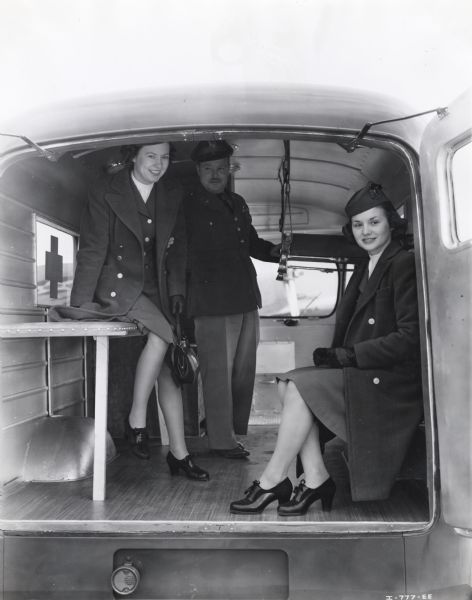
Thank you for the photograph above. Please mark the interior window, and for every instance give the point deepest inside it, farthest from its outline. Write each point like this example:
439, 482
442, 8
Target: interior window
462, 183
55, 263
309, 289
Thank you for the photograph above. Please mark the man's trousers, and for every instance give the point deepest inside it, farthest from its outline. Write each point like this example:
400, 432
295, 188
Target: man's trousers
227, 355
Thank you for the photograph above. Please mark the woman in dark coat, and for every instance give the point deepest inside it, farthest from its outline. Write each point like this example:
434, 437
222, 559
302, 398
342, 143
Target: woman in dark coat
131, 266
366, 388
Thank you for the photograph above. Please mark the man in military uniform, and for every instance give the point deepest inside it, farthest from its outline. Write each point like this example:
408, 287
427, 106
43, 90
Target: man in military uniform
223, 296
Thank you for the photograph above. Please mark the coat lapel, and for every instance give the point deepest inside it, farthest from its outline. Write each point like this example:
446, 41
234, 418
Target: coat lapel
351, 303
168, 197
377, 274
121, 199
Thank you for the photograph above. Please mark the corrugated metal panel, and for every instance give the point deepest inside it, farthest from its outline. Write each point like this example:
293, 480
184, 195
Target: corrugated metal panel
13, 294
9, 316
14, 213
24, 407
66, 348
66, 370
23, 378
20, 351
16, 241
14, 268
67, 398
25, 367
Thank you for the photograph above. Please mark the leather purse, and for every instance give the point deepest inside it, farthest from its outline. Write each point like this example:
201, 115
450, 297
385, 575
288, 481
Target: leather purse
183, 358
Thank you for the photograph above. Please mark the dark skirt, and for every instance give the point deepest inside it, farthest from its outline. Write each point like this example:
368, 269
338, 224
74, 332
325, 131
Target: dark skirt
323, 392
147, 315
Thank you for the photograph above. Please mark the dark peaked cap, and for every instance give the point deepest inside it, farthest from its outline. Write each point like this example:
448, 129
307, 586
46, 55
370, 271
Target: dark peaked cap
205, 151
366, 198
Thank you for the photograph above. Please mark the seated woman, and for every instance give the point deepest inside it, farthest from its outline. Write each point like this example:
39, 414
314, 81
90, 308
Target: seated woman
131, 266
368, 392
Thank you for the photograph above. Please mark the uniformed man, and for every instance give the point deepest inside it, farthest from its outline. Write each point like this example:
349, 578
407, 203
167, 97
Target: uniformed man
223, 296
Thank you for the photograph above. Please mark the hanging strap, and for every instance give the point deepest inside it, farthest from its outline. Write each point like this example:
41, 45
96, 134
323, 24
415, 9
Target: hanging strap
178, 328
285, 213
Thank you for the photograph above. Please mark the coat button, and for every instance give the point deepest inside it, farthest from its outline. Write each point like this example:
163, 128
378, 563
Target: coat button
149, 221
211, 223
112, 294
376, 381
121, 246
371, 321
146, 239
235, 218
242, 241
119, 275
119, 257
238, 228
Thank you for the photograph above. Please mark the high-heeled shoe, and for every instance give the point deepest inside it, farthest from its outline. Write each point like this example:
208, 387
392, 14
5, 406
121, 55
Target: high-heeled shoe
258, 498
303, 498
138, 439
186, 464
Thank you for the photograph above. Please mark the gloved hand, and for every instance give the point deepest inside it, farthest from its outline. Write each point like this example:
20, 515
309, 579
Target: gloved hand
335, 358
325, 357
177, 304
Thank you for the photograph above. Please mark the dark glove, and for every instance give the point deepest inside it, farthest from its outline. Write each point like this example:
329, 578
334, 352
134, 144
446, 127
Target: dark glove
335, 358
177, 304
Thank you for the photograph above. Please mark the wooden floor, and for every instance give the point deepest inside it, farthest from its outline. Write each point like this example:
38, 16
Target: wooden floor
139, 490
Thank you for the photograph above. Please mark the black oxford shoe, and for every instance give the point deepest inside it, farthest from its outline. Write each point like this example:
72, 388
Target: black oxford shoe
187, 466
138, 439
303, 498
257, 498
238, 451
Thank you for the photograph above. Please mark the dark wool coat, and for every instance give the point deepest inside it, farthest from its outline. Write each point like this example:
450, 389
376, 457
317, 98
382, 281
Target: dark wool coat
221, 240
383, 395
109, 275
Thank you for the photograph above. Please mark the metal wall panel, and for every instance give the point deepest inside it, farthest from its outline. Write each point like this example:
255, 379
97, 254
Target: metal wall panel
25, 369
14, 213
65, 370
66, 395
13, 268
67, 381
24, 407
66, 348
21, 350
16, 241
24, 378
14, 295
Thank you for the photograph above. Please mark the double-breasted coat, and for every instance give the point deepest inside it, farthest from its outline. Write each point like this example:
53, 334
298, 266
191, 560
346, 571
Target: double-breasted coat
383, 398
221, 240
109, 276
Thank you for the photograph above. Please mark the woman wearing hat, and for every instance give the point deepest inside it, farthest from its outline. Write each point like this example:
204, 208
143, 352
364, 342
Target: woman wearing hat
366, 388
131, 266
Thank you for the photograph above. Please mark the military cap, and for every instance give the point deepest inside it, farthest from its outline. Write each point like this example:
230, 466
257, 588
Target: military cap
366, 198
205, 151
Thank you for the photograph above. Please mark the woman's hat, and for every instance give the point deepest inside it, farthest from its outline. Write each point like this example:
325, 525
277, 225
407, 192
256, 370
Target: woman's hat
366, 198
205, 151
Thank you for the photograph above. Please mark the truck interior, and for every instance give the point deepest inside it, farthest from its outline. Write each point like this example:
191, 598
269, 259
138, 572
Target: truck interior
296, 183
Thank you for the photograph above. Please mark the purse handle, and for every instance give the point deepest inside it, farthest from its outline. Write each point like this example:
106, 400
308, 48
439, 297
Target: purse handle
178, 328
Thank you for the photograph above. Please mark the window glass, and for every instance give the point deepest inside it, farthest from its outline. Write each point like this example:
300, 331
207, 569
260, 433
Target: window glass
309, 289
462, 186
55, 263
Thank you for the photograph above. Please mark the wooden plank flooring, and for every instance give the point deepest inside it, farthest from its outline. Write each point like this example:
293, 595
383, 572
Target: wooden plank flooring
140, 490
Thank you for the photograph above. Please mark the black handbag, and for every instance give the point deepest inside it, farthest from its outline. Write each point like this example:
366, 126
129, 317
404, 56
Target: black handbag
183, 358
